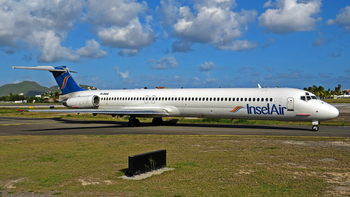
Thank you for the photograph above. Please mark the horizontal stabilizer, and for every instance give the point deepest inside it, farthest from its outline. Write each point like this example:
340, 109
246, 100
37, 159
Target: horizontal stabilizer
48, 68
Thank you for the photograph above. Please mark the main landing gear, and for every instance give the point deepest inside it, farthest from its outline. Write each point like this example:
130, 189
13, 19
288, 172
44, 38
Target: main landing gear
157, 121
315, 126
133, 122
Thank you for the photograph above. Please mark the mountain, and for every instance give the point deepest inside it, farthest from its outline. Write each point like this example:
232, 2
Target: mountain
28, 88
31, 88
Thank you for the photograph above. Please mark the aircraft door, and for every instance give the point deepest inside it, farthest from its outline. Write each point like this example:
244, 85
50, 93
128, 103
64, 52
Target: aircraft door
290, 104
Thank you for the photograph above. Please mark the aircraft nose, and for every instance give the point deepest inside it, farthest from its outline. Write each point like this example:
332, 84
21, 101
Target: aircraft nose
333, 112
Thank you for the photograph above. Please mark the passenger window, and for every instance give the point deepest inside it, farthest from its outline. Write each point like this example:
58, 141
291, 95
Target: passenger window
262, 99
241, 99
270, 99
233, 99
229, 99
253, 99
257, 99
213, 99
250, 99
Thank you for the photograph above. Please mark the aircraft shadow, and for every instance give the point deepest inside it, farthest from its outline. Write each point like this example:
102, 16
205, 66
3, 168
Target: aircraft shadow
117, 124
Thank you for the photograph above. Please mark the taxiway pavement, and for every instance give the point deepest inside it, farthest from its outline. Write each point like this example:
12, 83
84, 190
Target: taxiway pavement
11, 126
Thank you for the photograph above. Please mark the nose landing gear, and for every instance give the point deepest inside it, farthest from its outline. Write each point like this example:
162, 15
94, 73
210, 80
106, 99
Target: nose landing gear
315, 125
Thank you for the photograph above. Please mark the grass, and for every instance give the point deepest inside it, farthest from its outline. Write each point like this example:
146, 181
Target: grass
204, 165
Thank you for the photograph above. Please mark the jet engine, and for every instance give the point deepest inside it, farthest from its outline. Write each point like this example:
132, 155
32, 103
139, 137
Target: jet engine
89, 102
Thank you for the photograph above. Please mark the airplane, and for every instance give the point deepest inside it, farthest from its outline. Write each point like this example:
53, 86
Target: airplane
286, 104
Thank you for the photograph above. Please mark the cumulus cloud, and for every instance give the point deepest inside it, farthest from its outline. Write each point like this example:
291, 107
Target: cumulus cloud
241, 45
290, 16
113, 12
52, 51
132, 36
212, 22
342, 19
117, 24
206, 66
164, 63
43, 24
168, 11
92, 50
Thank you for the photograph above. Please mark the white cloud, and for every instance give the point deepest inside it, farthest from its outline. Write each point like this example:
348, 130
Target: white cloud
124, 75
113, 12
92, 50
241, 45
164, 63
168, 11
206, 66
45, 24
343, 19
132, 36
39, 23
52, 51
212, 23
290, 16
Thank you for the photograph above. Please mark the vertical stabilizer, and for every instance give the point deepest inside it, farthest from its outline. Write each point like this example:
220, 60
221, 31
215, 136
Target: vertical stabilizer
62, 75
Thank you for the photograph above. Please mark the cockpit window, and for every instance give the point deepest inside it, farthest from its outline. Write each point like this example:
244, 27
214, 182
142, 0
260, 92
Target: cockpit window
307, 98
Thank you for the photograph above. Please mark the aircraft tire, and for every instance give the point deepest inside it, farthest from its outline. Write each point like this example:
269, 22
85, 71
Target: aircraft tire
157, 121
315, 128
131, 123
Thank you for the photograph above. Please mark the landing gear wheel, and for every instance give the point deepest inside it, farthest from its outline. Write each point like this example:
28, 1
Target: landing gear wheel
134, 123
315, 128
157, 121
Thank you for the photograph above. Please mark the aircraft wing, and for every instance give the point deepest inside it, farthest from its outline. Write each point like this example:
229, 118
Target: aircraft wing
138, 112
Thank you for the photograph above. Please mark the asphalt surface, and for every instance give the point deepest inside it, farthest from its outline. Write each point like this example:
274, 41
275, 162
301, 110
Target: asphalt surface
11, 126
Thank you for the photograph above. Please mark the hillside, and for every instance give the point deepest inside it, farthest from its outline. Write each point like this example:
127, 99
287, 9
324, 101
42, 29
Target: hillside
30, 88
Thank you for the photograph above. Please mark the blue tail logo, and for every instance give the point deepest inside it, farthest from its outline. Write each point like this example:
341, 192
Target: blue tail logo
65, 81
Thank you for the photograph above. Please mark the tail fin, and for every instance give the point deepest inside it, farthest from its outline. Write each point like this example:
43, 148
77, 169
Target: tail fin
62, 75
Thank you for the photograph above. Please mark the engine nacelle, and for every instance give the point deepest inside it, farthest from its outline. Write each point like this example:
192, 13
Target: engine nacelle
91, 101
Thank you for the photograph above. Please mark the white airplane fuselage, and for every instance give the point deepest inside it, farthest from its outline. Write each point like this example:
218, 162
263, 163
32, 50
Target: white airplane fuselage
230, 103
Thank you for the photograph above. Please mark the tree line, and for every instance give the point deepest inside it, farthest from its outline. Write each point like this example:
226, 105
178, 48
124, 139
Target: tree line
322, 93
16, 97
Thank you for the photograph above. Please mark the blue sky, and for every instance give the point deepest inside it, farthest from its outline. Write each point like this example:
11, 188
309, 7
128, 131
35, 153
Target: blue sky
177, 43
